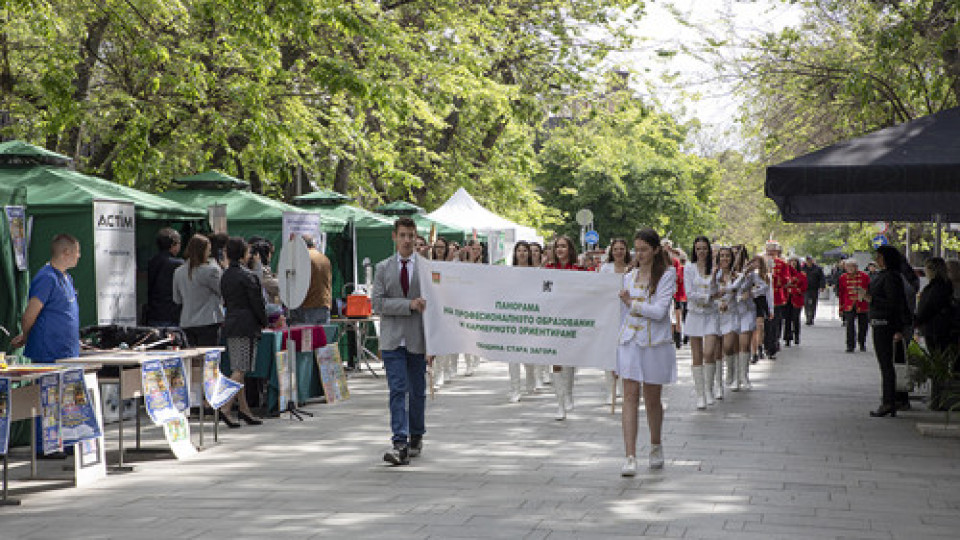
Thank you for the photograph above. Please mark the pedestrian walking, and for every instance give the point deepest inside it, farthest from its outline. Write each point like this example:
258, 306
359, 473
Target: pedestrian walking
852, 289
703, 323
618, 255
816, 283
565, 253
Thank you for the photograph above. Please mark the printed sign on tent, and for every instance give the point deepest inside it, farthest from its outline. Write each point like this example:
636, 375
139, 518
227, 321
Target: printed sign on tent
77, 416
50, 414
179, 382
114, 246
524, 315
5, 405
304, 224
217, 388
17, 221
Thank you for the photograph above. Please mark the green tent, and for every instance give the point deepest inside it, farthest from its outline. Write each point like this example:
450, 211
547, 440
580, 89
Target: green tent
60, 200
14, 283
426, 224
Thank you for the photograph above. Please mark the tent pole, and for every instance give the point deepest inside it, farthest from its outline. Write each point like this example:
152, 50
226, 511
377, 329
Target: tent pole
939, 235
356, 272
908, 242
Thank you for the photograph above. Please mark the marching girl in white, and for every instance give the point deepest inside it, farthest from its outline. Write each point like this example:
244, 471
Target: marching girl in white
617, 263
646, 356
521, 257
762, 301
747, 309
702, 325
565, 257
728, 289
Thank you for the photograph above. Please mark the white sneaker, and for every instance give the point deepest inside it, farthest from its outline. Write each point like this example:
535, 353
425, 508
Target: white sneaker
656, 456
514, 397
629, 467
561, 412
701, 403
568, 403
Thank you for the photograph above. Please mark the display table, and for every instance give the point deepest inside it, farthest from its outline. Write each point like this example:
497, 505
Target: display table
25, 404
129, 379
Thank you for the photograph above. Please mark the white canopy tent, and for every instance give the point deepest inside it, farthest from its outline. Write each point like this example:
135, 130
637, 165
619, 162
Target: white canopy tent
462, 210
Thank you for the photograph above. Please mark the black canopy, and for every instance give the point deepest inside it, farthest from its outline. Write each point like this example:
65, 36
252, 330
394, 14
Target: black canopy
908, 172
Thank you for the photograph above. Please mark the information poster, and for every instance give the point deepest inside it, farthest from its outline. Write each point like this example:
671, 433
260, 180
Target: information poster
287, 376
77, 417
90, 459
527, 315
4, 414
114, 247
304, 224
50, 436
177, 432
17, 221
332, 375
217, 388
156, 393
178, 380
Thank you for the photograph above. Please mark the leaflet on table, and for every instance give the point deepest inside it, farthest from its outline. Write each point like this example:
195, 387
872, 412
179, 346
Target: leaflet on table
179, 383
77, 417
156, 393
217, 388
177, 432
4, 414
51, 440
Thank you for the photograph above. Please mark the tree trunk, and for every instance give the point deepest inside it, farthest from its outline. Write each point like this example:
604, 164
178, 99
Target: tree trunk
84, 74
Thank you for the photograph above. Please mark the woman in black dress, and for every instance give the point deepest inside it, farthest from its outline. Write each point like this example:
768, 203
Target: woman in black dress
888, 316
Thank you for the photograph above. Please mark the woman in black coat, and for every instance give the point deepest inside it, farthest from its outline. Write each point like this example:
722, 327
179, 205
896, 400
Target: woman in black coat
934, 310
888, 315
245, 316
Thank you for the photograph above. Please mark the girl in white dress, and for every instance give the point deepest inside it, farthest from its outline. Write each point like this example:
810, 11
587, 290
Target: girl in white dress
728, 288
747, 310
763, 300
646, 354
521, 258
617, 263
702, 325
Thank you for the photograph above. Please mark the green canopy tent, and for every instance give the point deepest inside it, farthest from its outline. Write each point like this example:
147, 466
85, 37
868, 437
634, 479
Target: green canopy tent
60, 200
426, 224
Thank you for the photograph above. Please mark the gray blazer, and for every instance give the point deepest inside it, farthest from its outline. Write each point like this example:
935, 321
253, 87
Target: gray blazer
397, 321
198, 294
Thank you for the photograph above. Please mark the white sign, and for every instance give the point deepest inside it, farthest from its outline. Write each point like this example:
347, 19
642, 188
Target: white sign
304, 224
114, 250
516, 314
217, 216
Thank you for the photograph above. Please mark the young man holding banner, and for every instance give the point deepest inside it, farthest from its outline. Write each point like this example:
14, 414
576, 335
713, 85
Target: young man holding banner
396, 297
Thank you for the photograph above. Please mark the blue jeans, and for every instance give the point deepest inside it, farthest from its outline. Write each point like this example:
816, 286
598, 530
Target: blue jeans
406, 378
318, 315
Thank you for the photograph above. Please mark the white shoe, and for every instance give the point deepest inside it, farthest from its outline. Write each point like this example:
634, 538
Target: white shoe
731, 371
561, 413
656, 456
514, 397
744, 374
698, 383
709, 379
719, 386
629, 467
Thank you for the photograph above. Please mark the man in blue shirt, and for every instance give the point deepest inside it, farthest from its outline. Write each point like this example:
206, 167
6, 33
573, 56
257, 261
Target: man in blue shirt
51, 322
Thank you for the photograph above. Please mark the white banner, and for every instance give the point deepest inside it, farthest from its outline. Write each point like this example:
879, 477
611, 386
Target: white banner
304, 223
518, 314
114, 251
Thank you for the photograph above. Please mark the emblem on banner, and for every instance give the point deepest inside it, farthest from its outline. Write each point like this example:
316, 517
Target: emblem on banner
436, 277
547, 286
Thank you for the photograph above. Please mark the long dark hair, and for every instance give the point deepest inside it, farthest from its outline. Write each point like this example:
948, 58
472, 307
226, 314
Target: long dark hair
693, 253
572, 254
614, 242
661, 261
729, 250
891, 258
446, 249
517, 246
196, 252
740, 257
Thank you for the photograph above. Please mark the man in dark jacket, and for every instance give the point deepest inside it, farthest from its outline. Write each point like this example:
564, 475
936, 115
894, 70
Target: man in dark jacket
161, 310
816, 282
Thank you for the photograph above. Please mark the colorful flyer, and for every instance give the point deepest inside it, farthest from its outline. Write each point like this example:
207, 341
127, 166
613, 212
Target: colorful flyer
285, 390
341, 376
179, 382
217, 388
16, 218
77, 417
156, 393
177, 432
90, 458
4, 414
332, 376
50, 413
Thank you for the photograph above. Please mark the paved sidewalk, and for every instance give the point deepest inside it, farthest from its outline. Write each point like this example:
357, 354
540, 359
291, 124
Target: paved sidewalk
796, 457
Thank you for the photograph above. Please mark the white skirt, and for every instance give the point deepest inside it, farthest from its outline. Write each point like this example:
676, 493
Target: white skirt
748, 319
729, 322
653, 365
701, 324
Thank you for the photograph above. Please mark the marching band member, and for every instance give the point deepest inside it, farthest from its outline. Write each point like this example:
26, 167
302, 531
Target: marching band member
796, 291
702, 325
728, 288
747, 308
852, 290
780, 276
617, 263
565, 255
646, 357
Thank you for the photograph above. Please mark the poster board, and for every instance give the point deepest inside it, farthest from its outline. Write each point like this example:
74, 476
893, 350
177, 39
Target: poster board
114, 247
17, 222
90, 457
333, 377
304, 224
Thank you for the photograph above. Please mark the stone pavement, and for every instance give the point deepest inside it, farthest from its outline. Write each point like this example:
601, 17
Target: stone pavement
796, 457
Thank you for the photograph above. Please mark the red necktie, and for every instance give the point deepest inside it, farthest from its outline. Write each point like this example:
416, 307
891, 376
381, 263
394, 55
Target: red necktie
404, 277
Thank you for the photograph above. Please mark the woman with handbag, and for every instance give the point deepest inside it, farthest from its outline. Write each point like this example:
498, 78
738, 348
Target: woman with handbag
888, 316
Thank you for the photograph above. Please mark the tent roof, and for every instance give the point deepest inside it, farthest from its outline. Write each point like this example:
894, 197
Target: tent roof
399, 208
53, 190
462, 210
246, 206
24, 153
212, 180
908, 172
321, 197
